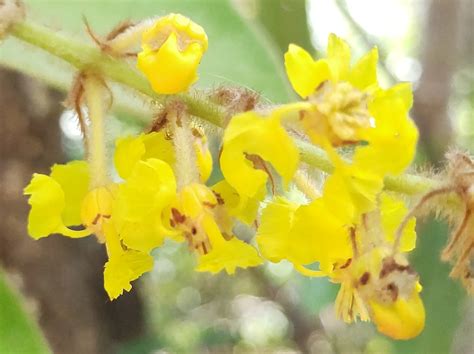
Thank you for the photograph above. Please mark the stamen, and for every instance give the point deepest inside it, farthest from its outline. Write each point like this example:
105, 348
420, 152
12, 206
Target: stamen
355, 251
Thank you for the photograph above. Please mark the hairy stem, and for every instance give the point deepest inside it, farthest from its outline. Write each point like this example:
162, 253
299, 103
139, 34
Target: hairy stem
93, 92
83, 56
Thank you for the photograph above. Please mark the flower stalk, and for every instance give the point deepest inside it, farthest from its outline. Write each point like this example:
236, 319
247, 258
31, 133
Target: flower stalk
94, 98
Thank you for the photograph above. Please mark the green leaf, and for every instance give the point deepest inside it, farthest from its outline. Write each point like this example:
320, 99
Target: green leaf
238, 54
18, 332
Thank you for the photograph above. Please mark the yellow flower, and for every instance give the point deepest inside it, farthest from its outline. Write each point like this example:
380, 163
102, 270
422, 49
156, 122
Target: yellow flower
338, 92
250, 141
377, 282
139, 204
171, 52
127, 217
390, 147
197, 213
56, 200
383, 288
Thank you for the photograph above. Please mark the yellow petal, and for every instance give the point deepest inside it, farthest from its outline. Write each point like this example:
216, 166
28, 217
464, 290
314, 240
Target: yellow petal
151, 184
322, 232
169, 69
273, 236
403, 319
124, 265
338, 57
364, 72
392, 143
402, 91
47, 205
158, 146
226, 255
129, 150
124, 268
302, 235
353, 186
140, 201
249, 134
195, 198
393, 212
303, 72
186, 29
74, 179
243, 208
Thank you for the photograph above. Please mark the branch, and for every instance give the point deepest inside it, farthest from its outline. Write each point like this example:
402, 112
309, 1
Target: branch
83, 56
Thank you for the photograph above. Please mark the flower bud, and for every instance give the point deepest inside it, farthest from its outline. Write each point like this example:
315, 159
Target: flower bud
171, 52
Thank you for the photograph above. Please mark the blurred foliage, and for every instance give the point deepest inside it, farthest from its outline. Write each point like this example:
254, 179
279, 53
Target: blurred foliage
19, 334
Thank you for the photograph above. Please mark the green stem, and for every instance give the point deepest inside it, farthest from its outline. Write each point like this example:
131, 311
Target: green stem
86, 57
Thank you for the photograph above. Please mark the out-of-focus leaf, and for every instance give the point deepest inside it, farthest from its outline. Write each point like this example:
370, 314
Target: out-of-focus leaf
19, 334
238, 52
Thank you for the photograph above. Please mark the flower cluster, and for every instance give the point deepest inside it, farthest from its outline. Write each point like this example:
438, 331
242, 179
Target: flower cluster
349, 229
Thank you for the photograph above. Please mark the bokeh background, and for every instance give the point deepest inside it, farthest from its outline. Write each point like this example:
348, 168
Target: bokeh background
54, 287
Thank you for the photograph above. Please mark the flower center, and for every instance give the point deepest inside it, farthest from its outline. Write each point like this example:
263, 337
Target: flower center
342, 110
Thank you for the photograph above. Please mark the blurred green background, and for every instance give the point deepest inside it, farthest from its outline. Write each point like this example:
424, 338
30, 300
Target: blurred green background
176, 310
